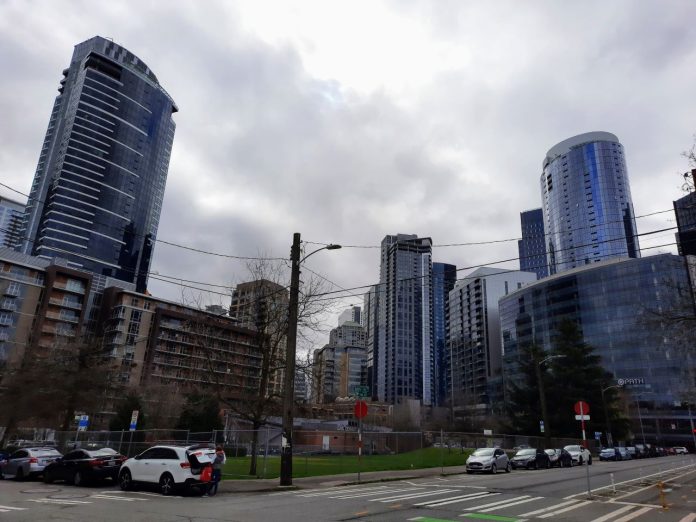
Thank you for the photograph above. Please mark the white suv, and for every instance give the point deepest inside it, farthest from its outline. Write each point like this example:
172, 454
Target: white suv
168, 466
580, 455
680, 450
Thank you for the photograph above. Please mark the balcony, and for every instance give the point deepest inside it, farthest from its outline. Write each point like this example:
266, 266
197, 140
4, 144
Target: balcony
62, 317
70, 288
11, 291
8, 305
65, 303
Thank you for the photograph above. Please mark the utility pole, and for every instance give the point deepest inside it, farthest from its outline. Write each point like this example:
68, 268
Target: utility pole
289, 398
542, 400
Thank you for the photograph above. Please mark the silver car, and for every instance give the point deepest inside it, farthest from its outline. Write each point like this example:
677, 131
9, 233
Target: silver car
489, 460
27, 462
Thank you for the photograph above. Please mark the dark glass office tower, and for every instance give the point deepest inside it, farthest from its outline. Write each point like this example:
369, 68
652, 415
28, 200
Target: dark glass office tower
685, 211
532, 246
588, 211
98, 188
444, 279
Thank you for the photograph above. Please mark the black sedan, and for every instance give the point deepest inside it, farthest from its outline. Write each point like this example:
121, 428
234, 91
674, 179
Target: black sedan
560, 457
81, 466
531, 458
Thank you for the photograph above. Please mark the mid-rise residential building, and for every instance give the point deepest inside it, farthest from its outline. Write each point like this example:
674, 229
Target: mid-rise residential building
587, 206
474, 341
402, 354
11, 219
370, 320
532, 246
352, 314
625, 309
685, 212
97, 193
444, 279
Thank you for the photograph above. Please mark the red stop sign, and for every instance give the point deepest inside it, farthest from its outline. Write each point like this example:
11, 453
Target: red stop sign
585, 408
360, 409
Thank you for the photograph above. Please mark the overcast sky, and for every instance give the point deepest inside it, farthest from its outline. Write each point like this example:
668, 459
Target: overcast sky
347, 121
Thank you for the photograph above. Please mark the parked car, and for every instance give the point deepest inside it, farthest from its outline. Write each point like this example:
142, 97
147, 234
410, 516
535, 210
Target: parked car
488, 459
4, 455
82, 466
28, 462
531, 458
559, 457
641, 451
632, 451
624, 453
580, 455
680, 450
171, 467
609, 454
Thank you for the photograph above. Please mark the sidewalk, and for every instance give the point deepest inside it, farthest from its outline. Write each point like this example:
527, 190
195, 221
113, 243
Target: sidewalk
327, 481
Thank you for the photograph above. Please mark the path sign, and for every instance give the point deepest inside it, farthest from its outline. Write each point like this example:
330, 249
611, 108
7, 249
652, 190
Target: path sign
360, 409
134, 420
582, 417
582, 408
83, 423
361, 391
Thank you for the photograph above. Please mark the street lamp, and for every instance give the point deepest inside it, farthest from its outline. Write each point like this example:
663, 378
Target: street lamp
289, 388
542, 394
610, 440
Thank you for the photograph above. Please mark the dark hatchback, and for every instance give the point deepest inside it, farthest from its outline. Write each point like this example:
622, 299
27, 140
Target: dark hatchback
531, 458
560, 457
82, 466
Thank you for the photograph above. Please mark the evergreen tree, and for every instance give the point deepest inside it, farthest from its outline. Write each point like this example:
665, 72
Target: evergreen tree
200, 413
523, 408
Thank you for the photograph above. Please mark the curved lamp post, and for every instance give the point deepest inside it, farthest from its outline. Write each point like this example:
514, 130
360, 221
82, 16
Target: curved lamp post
289, 387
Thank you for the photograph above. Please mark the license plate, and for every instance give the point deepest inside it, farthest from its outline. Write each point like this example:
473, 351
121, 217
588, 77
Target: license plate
110, 463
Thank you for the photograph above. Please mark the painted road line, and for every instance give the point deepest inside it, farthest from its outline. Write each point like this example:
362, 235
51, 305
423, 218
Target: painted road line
456, 500
633, 515
124, 499
11, 508
689, 518
550, 508
412, 495
58, 501
510, 504
371, 493
429, 519
569, 508
333, 491
613, 514
497, 503
497, 518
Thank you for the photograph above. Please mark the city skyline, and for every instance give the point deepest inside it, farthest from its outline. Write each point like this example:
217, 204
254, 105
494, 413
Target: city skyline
432, 117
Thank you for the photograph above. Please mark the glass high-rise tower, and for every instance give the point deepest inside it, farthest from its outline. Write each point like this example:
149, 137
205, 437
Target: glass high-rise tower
532, 246
588, 212
97, 193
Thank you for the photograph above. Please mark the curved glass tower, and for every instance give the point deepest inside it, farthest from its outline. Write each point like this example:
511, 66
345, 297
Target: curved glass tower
588, 212
98, 188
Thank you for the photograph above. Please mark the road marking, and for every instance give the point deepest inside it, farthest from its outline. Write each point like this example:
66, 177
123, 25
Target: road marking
613, 514
11, 508
689, 518
58, 501
412, 495
454, 500
370, 493
124, 499
429, 519
569, 508
315, 493
550, 508
633, 515
498, 518
503, 504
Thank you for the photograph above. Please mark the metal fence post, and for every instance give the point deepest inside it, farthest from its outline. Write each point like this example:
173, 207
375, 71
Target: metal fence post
120, 442
265, 454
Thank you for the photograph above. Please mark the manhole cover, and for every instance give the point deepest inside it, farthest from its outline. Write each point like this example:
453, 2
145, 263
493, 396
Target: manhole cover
41, 490
67, 496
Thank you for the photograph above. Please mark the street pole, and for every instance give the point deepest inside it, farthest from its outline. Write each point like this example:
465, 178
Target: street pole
691, 420
542, 400
289, 398
610, 439
640, 419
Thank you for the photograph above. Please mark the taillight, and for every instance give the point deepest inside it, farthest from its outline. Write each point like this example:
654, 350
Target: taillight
185, 465
33, 460
95, 462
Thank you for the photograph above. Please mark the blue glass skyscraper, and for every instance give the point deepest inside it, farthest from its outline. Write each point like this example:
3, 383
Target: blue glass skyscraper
97, 193
588, 212
444, 279
532, 246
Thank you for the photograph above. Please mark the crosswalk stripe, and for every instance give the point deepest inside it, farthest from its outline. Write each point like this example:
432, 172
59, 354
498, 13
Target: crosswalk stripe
315, 493
370, 493
413, 495
569, 508
613, 514
550, 508
689, 518
633, 515
510, 504
10, 508
491, 504
454, 500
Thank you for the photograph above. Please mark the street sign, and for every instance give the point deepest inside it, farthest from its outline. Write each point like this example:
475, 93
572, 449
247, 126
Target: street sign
83, 423
361, 391
598, 435
134, 420
582, 408
488, 432
541, 426
582, 417
360, 409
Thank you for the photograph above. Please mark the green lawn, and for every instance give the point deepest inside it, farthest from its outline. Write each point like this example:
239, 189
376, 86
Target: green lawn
310, 466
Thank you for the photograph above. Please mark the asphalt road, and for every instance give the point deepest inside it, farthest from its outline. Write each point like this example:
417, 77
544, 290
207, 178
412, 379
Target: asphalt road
555, 495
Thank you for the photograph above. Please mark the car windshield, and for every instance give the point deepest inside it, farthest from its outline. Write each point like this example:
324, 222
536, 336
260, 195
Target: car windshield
484, 452
572, 448
523, 452
550, 452
45, 453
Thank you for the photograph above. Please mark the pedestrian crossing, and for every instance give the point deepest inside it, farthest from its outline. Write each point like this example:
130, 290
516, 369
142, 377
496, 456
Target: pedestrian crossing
492, 505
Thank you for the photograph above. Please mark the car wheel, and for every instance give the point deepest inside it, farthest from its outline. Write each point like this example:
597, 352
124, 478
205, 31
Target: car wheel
78, 479
125, 480
48, 477
166, 484
508, 468
580, 461
494, 469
